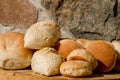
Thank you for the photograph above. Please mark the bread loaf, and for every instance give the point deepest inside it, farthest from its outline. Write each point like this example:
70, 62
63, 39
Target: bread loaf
83, 55
104, 53
42, 34
65, 46
13, 55
46, 61
76, 68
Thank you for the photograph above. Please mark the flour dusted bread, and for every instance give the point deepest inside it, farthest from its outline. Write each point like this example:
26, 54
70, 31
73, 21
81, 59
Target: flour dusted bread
116, 45
46, 61
42, 34
83, 55
13, 55
76, 68
104, 53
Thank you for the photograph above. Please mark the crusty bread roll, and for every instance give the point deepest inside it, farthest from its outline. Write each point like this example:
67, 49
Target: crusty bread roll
65, 46
13, 55
83, 42
46, 61
42, 34
76, 68
116, 45
104, 53
83, 55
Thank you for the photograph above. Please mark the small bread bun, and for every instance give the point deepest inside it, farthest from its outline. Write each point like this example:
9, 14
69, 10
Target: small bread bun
46, 61
104, 53
116, 45
76, 68
65, 46
83, 42
42, 34
84, 55
13, 55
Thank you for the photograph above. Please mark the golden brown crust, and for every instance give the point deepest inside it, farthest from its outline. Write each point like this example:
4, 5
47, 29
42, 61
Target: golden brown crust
13, 55
83, 42
104, 53
83, 55
76, 68
65, 46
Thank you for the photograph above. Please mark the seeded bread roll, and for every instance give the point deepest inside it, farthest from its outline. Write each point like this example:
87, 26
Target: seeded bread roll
13, 55
116, 45
83, 55
42, 34
46, 61
104, 53
76, 68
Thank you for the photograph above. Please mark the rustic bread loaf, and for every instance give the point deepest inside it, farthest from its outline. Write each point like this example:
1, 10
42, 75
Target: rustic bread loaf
65, 46
42, 34
13, 55
83, 55
104, 53
76, 68
46, 61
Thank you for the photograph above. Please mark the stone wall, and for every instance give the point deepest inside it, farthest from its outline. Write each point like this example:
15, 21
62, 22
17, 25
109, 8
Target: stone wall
91, 19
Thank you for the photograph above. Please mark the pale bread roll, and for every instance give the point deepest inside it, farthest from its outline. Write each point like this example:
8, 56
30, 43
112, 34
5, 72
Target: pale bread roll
116, 45
83, 55
42, 34
104, 53
13, 55
76, 68
65, 46
46, 61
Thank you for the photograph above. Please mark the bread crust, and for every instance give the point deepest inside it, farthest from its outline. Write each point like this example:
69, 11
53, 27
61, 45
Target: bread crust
83, 55
104, 53
42, 34
46, 61
76, 68
13, 55
65, 46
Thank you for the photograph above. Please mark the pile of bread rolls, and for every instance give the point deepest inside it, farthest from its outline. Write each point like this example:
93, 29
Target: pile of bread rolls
48, 54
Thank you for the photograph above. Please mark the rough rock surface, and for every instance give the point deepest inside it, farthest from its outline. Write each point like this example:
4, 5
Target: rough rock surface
17, 13
91, 19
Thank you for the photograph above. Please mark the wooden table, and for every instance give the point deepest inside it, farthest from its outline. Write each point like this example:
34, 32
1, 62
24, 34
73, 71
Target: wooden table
27, 74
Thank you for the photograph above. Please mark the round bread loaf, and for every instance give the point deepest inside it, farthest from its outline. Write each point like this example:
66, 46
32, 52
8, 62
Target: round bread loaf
104, 53
42, 34
83, 55
65, 46
116, 45
13, 55
46, 61
76, 68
